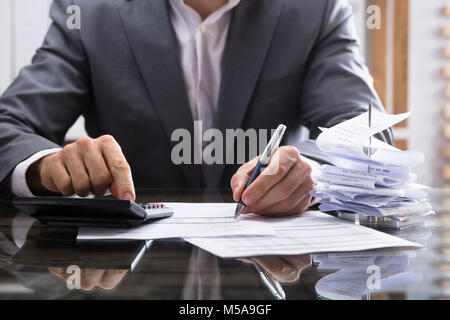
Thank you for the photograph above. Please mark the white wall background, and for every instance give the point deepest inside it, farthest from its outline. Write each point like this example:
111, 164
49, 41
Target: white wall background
426, 85
23, 25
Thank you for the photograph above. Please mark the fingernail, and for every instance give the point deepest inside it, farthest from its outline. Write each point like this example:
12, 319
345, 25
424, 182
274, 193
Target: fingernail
248, 199
128, 196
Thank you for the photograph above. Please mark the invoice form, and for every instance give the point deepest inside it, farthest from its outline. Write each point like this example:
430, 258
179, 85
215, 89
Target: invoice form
311, 232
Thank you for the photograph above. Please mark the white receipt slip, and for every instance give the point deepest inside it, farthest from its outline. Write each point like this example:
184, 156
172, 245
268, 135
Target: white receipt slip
351, 139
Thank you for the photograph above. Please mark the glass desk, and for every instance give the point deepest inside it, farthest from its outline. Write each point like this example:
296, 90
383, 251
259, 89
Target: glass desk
36, 262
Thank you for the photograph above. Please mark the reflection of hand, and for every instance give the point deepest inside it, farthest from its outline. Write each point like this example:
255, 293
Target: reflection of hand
92, 278
285, 269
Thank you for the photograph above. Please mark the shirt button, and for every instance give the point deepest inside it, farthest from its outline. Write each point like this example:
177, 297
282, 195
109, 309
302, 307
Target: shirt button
202, 28
201, 84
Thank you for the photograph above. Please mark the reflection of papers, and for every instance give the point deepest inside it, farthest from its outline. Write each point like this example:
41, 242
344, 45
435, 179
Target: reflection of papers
189, 220
309, 233
356, 276
351, 139
345, 284
351, 281
391, 259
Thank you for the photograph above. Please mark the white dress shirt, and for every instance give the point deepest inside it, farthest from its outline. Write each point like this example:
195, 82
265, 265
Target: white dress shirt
202, 44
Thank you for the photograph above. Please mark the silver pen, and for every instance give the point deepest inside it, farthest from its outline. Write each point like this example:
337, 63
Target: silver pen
263, 162
273, 285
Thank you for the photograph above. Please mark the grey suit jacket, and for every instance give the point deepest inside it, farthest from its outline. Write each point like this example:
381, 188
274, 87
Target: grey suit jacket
295, 62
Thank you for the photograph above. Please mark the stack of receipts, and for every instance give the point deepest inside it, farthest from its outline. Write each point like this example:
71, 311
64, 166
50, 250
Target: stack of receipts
367, 176
212, 227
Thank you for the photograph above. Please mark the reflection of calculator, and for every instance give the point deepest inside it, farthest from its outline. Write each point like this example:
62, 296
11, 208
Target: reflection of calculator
96, 212
46, 251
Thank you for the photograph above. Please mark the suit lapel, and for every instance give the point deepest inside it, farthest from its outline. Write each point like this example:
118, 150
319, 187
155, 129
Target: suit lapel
251, 31
155, 47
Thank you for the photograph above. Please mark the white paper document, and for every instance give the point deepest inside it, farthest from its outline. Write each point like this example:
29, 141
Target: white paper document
351, 139
363, 179
393, 211
188, 220
310, 149
409, 200
364, 175
310, 233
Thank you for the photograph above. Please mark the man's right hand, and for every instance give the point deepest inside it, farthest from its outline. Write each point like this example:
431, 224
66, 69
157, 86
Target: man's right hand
85, 166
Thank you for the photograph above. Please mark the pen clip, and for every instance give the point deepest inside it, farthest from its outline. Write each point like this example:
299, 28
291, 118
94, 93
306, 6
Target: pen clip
273, 145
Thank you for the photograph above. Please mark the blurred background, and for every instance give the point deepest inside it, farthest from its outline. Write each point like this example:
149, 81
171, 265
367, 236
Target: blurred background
409, 57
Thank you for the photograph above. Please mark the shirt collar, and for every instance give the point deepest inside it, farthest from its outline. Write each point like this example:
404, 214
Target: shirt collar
216, 15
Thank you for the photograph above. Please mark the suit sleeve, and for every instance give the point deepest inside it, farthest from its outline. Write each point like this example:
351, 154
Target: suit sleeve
47, 97
337, 85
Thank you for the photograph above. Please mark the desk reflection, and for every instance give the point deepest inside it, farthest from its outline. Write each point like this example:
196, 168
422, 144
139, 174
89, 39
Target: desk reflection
366, 275
39, 258
285, 269
34, 261
92, 278
363, 275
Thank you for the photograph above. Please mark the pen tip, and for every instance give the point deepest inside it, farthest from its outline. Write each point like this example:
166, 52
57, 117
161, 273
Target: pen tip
240, 207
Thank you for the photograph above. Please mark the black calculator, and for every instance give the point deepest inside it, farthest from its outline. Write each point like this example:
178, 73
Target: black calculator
91, 212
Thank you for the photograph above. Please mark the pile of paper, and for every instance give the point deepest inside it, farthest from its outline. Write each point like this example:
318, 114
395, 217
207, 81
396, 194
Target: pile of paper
366, 175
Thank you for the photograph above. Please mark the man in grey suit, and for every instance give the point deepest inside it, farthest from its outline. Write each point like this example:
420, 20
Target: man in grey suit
138, 70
